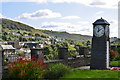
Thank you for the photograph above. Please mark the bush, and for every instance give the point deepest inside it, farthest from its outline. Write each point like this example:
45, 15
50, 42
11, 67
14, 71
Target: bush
118, 50
117, 57
115, 63
55, 71
20, 53
49, 57
73, 53
113, 54
25, 69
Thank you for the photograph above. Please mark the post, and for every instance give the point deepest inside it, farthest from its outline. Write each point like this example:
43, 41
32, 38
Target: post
83, 51
37, 54
62, 53
86, 51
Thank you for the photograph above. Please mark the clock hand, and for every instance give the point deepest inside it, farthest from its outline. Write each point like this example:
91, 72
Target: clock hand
99, 30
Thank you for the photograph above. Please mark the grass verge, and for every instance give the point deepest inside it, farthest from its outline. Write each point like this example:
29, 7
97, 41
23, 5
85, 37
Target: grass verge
93, 74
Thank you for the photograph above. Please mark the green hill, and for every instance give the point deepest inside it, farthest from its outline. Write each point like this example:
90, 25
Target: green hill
13, 30
13, 25
65, 35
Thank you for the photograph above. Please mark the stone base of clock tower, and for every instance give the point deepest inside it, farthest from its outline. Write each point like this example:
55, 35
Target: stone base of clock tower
99, 53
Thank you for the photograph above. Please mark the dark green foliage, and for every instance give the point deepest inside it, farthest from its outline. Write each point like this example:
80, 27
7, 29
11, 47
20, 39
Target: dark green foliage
22, 39
117, 57
58, 45
43, 36
55, 71
118, 50
65, 44
37, 35
48, 50
53, 41
26, 46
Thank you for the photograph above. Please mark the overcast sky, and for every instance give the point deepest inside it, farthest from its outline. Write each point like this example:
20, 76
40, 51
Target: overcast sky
73, 16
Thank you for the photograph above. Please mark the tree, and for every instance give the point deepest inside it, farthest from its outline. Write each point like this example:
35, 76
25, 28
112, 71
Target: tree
79, 44
54, 47
65, 44
18, 32
29, 34
5, 33
20, 38
48, 50
4, 38
58, 45
37, 35
88, 43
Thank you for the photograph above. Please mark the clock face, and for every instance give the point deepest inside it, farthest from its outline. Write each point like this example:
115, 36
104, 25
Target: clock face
99, 31
107, 30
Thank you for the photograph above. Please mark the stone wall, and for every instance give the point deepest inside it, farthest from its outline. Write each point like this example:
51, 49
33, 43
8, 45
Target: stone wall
0, 65
74, 63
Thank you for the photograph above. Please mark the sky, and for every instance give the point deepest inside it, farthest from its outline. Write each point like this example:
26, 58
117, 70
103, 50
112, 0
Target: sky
73, 16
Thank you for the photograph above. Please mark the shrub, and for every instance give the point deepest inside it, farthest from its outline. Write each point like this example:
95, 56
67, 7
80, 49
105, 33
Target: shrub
20, 53
55, 71
115, 63
118, 50
113, 54
25, 69
73, 53
117, 57
49, 57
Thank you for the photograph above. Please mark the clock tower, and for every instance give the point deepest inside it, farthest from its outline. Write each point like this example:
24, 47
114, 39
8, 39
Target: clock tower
100, 45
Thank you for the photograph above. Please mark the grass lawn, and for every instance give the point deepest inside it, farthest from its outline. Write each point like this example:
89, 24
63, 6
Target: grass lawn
92, 74
115, 63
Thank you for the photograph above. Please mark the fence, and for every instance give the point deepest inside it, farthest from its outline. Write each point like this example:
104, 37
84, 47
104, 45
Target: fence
62, 55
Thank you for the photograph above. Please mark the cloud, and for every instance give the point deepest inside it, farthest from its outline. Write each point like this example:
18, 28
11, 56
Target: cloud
97, 3
114, 27
82, 27
114, 21
1, 16
23, 1
99, 12
70, 17
83, 22
68, 27
40, 14
92, 3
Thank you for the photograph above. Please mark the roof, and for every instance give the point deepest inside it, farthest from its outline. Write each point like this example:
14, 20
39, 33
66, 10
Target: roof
101, 21
7, 47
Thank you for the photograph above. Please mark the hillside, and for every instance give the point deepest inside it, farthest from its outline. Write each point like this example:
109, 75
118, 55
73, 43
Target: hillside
16, 30
13, 25
65, 35
13, 30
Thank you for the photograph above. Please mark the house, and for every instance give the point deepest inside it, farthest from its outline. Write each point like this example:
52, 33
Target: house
8, 52
15, 33
32, 45
15, 44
